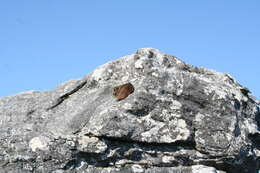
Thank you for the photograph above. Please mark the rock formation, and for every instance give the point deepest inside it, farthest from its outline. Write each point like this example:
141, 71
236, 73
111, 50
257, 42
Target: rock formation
180, 118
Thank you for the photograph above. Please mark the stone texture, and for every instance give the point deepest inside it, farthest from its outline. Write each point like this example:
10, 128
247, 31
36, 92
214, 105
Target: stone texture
180, 118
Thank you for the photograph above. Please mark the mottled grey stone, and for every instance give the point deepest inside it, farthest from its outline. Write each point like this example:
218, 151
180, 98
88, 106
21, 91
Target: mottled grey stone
180, 118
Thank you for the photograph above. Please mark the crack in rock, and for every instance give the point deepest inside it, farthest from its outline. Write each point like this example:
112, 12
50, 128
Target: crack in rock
66, 96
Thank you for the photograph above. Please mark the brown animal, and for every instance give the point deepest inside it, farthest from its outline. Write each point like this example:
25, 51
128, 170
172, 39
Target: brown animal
123, 91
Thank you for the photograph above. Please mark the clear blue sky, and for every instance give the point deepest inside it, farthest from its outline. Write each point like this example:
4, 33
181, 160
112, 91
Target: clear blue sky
46, 42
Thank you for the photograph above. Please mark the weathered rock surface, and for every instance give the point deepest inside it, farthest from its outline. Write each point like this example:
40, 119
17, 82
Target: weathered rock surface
180, 118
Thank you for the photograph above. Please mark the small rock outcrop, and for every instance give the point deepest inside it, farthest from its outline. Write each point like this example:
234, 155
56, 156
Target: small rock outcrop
180, 118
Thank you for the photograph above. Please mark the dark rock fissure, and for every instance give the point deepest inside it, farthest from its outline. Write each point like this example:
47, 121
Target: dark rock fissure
245, 91
98, 160
188, 144
125, 144
237, 131
66, 96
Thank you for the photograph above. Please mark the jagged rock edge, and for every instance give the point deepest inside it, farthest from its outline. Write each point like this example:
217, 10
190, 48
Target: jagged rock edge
79, 155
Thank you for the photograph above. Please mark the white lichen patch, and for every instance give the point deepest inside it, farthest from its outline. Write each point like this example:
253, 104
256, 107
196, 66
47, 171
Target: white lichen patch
229, 137
139, 64
257, 152
80, 165
147, 135
40, 143
182, 124
125, 78
155, 74
178, 61
167, 159
127, 106
183, 131
98, 73
179, 127
113, 152
250, 126
175, 105
178, 131
166, 137
199, 117
176, 115
137, 168
203, 169
175, 84
91, 144
217, 84
121, 162
69, 85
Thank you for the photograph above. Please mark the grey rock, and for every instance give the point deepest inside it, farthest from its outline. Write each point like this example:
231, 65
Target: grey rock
140, 169
180, 118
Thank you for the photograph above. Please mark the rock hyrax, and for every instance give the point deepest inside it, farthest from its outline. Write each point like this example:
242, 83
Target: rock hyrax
123, 91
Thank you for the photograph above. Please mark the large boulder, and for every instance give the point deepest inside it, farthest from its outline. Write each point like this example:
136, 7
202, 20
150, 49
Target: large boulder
180, 118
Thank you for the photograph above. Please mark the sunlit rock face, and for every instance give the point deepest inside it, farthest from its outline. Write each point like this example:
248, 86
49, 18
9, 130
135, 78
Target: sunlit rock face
180, 118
